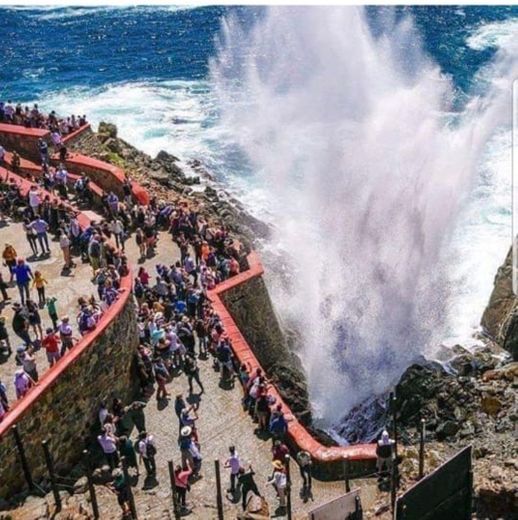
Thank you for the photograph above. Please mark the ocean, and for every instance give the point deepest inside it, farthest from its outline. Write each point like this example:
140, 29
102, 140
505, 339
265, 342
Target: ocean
269, 99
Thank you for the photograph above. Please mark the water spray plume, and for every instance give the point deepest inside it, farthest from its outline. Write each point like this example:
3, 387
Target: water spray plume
353, 134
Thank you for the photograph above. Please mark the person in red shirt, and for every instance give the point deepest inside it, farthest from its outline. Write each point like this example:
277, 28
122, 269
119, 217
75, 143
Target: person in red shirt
279, 451
181, 480
51, 344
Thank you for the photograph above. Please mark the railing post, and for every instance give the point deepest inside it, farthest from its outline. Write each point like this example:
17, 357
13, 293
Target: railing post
421, 449
288, 485
219, 497
176, 510
346, 475
128, 487
23, 458
358, 511
50, 467
394, 420
393, 488
91, 487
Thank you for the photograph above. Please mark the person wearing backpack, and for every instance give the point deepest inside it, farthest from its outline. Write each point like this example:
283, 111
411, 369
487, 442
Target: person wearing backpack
147, 450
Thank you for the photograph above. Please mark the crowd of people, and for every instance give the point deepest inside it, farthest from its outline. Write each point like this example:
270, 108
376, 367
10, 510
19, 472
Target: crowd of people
177, 326
18, 114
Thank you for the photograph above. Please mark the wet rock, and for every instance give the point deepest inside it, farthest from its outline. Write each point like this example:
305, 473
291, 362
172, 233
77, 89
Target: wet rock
166, 157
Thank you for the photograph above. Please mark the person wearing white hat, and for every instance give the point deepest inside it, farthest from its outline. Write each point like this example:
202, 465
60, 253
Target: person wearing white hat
185, 446
384, 452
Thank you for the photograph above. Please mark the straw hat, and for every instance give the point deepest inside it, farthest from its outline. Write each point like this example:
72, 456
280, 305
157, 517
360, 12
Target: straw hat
277, 464
186, 431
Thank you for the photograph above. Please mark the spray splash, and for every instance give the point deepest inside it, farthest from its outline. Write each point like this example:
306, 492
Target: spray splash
366, 167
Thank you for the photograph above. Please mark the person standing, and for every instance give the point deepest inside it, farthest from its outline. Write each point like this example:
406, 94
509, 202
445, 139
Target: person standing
305, 464
233, 463
29, 363
52, 310
247, 483
279, 481
147, 451
20, 323
66, 335
23, 275
64, 244
384, 452
192, 371
22, 383
108, 443
51, 345
41, 227
9, 255
120, 487
181, 480
39, 282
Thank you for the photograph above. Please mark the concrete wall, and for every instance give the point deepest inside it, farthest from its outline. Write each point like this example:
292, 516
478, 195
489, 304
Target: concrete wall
23, 140
63, 407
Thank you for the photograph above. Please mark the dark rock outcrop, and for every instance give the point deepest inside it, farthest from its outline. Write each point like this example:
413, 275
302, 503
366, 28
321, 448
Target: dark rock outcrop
500, 318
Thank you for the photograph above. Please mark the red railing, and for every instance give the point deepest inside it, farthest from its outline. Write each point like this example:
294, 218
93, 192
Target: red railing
298, 434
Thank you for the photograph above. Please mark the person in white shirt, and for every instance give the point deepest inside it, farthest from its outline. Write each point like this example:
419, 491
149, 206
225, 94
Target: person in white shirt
34, 199
233, 463
64, 244
147, 450
279, 481
66, 335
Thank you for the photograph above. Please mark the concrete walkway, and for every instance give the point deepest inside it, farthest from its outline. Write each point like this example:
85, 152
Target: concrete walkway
67, 287
222, 422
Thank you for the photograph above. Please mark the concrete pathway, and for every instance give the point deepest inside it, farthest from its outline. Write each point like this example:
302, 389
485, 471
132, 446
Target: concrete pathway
222, 422
67, 287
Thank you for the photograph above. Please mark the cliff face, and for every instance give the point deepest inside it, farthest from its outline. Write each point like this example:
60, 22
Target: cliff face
500, 318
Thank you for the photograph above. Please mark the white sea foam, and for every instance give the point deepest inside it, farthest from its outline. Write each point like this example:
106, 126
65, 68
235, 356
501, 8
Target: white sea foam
494, 35
61, 13
353, 139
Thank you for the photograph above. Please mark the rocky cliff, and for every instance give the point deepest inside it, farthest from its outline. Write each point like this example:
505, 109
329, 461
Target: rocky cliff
500, 318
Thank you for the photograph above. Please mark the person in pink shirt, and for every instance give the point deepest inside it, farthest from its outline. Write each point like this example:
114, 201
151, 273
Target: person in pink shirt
181, 480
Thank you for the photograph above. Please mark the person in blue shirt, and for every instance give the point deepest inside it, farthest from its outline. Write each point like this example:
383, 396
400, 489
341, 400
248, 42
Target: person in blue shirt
23, 275
278, 425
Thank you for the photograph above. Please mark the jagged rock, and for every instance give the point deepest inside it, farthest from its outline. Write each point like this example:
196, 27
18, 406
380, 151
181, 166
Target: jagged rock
113, 145
166, 157
447, 429
107, 129
500, 318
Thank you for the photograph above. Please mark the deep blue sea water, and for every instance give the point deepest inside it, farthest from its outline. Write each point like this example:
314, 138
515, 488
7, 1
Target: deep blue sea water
147, 70
44, 50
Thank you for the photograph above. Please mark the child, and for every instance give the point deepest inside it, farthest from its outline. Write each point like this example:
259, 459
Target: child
53, 312
39, 282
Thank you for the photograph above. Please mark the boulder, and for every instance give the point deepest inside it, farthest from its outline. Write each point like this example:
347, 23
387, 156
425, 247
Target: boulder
447, 429
107, 129
491, 405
